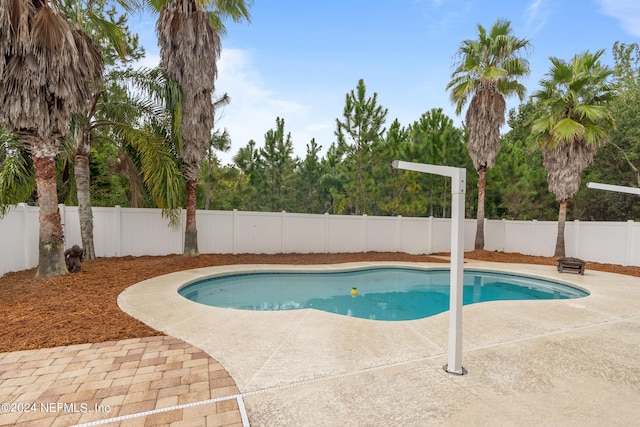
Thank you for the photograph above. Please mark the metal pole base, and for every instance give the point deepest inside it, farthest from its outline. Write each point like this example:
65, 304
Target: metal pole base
462, 372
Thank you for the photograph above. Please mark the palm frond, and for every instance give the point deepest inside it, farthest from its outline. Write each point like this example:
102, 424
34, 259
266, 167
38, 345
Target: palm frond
159, 168
573, 98
111, 32
567, 131
131, 6
494, 73
594, 134
493, 57
157, 95
17, 180
593, 113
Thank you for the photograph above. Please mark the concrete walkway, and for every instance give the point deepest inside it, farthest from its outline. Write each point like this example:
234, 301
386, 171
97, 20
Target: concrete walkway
554, 363
155, 381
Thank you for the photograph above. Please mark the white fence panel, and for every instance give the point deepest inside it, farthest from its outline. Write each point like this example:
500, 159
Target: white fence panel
106, 231
470, 226
259, 232
215, 231
588, 239
345, 234
517, 234
383, 234
70, 220
15, 232
494, 235
31, 239
571, 237
545, 239
632, 257
144, 234
416, 235
441, 235
125, 231
530, 237
305, 233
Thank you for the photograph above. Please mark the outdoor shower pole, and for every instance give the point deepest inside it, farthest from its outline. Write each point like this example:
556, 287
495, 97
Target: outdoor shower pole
616, 188
458, 187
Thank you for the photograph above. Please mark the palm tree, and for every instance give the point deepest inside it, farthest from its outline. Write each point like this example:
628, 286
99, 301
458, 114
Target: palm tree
574, 120
47, 68
131, 122
115, 43
189, 38
488, 70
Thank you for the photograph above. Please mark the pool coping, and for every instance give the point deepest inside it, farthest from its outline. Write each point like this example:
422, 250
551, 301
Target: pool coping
276, 358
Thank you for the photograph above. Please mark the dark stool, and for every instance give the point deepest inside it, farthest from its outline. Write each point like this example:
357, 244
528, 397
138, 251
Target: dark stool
573, 264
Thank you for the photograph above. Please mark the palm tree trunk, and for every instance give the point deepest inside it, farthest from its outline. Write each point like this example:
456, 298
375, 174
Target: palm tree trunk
482, 178
191, 232
85, 213
562, 216
51, 237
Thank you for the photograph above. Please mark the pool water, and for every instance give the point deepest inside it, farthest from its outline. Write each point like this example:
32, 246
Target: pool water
382, 293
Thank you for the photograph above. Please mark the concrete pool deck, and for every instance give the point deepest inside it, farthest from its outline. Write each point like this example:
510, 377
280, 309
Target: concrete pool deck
554, 362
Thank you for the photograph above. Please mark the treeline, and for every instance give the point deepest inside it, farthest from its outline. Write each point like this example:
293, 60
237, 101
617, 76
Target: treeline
354, 175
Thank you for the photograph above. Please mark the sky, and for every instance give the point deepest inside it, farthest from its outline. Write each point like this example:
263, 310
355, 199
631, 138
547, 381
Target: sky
298, 59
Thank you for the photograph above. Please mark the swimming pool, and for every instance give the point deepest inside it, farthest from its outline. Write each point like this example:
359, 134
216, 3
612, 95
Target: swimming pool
388, 293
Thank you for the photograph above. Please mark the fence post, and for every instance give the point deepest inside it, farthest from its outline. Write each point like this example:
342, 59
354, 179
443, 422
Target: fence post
628, 255
364, 232
399, 235
576, 238
283, 225
536, 240
326, 232
118, 230
234, 232
430, 238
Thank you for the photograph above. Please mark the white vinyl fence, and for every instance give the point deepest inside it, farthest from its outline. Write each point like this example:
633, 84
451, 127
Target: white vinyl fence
126, 231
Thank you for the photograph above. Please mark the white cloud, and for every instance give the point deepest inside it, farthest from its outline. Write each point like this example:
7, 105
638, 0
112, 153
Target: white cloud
537, 15
626, 11
254, 107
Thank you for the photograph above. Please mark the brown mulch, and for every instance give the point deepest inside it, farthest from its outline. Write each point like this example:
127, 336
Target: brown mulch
81, 307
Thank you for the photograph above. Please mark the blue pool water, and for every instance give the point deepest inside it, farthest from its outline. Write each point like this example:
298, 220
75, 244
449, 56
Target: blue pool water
383, 293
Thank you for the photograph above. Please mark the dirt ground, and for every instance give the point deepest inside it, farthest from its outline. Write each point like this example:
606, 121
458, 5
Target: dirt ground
81, 308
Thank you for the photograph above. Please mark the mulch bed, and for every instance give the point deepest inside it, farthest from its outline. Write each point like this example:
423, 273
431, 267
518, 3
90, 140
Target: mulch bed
81, 308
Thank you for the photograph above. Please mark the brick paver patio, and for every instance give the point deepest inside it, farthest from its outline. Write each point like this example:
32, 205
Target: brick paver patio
155, 381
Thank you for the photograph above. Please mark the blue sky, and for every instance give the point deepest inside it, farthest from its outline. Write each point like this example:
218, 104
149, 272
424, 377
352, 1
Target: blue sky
298, 58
